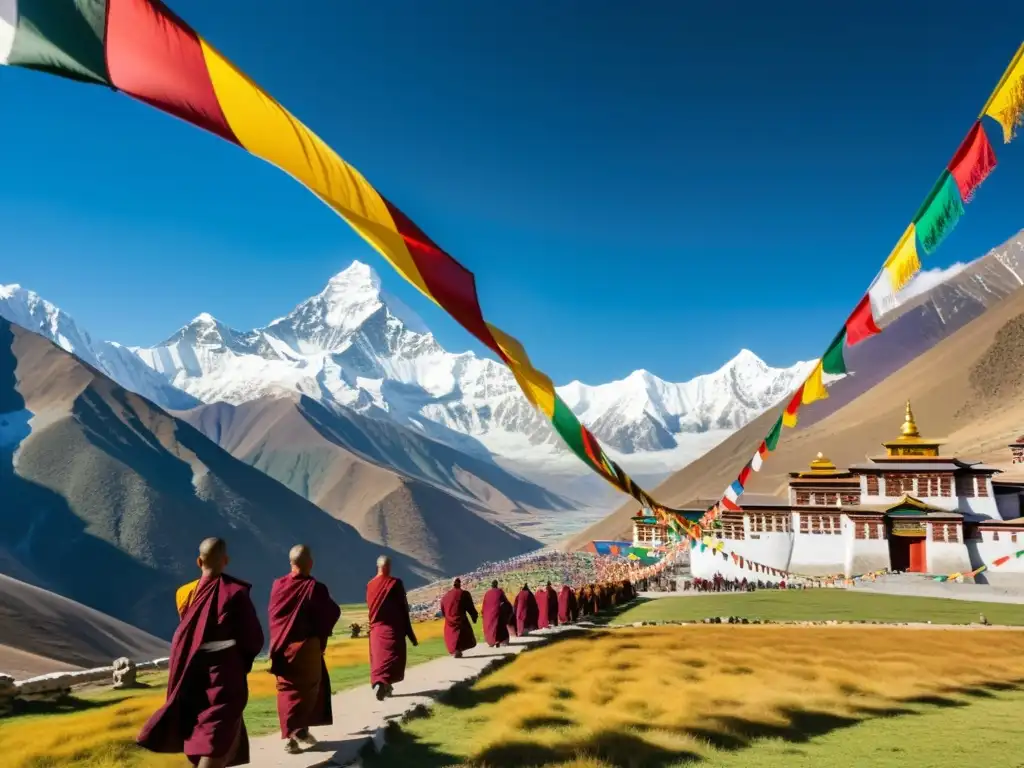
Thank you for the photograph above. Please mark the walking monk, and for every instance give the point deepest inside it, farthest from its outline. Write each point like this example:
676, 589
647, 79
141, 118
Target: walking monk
566, 605
547, 607
211, 653
302, 617
389, 626
526, 611
457, 607
498, 614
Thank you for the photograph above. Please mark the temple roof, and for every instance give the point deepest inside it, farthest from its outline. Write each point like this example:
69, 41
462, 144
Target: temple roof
910, 466
822, 468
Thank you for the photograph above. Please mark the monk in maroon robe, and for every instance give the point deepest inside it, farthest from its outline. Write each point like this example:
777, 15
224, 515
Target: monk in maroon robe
526, 611
302, 617
212, 652
547, 607
566, 605
498, 615
457, 607
390, 625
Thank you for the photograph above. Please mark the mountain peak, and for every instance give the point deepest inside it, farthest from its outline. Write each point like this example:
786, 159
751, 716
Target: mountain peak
356, 278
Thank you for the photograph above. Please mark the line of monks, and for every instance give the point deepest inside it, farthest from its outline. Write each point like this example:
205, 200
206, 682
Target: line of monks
219, 637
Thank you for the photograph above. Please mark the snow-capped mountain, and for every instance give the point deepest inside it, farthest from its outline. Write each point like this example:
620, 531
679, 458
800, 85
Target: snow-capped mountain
29, 310
353, 345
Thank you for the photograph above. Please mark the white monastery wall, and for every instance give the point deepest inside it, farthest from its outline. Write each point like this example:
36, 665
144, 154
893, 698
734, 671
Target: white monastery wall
704, 565
986, 550
819, 554
864, 555
979, 505
947, 557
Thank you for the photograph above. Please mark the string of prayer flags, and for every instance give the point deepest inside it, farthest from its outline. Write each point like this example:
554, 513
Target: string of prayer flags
973, 161
994, 564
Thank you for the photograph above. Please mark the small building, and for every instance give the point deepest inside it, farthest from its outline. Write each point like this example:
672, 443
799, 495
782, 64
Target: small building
911, 509
1017, 451
648, 531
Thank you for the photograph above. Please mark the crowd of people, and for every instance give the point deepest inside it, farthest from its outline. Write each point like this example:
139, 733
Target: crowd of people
718, 583
219, 636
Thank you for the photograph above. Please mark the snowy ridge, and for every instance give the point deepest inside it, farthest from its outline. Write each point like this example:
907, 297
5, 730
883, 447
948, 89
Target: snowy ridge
354, 346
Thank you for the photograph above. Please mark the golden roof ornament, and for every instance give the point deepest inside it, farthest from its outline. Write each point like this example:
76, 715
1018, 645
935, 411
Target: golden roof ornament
909, 428
822, 463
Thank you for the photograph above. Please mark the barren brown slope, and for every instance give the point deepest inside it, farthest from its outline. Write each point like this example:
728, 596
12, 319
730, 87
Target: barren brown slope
44, 632
107, 497
303, 445
968, 388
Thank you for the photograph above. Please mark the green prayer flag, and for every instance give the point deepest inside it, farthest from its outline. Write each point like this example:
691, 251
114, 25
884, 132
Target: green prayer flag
940, 212
772, 439
833, 361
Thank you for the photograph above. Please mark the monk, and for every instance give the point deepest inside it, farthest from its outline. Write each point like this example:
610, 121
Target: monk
526, 611
302, 618
498, 615
212, 652
457, 608
583, 601
547, 607
390, 625
566, 605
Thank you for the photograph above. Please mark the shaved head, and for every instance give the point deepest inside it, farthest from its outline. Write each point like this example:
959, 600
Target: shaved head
384, 565
301, 558
213, 555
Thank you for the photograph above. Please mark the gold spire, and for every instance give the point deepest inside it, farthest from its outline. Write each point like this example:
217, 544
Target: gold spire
909, 428
822, 463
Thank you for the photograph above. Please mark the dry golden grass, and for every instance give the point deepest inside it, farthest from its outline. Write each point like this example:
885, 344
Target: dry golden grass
104, 735
659, 697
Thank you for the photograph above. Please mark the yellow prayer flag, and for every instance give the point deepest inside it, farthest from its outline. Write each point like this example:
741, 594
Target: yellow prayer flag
814, 387
789, 419
1006, 104
903, 263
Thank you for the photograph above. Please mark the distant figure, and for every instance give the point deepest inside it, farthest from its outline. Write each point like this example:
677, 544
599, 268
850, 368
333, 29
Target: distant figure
302, 617
583, 601
566, 605
212, 651
526, 611
547, 607
457, 607
498, 614
390, 625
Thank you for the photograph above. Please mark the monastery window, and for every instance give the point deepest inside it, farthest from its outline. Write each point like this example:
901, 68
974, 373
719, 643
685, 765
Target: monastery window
995, 535
945, 486
1013, 538
875, 531
965, 487
805, 523
897, 485
982, 486
850, 499
860, 530
803, 498
938, 532
873, 485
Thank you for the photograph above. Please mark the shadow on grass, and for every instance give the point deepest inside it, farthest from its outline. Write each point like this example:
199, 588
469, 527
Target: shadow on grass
64, 706
626, 747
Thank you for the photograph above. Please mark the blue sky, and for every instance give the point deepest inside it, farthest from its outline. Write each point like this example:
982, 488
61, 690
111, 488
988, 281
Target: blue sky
636, 185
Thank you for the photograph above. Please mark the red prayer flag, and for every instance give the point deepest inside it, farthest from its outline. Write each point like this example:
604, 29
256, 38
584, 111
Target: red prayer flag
730, 504
745, 475
973, 162
1001, 560
861, 323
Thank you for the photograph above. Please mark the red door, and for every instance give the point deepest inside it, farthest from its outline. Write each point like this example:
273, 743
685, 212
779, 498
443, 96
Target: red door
918, 561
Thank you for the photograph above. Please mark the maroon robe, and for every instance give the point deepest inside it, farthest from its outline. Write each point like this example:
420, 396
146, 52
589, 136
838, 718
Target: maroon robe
526, 612
389, 627
498, 615
302, 618
457, 607
566, 605
207, 691
547, 608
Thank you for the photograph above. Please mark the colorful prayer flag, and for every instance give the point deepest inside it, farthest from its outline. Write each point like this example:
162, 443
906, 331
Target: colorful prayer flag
772, 439
861, 323
814, 387
1006, 104
939, 213
757, 461
973, 162
903, 263
745, 475
789, 416
833, 362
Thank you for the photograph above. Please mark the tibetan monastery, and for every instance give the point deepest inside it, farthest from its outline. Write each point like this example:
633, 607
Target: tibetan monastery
912, 509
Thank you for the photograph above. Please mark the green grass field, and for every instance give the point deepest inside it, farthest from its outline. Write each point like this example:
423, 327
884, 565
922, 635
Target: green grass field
734, 697
823, 605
